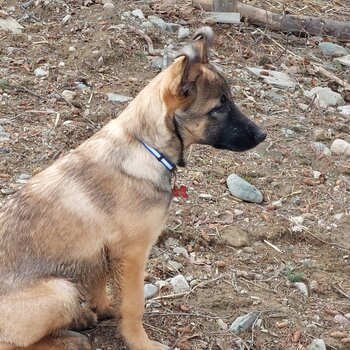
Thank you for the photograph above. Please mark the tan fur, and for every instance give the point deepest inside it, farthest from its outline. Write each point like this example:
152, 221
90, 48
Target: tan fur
94, 215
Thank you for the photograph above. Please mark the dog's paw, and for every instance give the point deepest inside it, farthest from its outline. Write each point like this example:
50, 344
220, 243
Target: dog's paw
87, 319
69, 340
106, 314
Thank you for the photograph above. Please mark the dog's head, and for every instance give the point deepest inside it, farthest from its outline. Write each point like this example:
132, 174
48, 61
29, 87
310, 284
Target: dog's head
200, 103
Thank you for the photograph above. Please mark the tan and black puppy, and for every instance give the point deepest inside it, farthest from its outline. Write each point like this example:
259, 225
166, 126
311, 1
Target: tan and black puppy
94, 215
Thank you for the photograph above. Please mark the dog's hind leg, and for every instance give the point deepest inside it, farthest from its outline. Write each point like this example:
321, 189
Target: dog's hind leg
29, 315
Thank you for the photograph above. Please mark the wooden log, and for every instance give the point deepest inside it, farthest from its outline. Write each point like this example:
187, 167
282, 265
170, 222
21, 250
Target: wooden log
225, 5
287, 23
224, 17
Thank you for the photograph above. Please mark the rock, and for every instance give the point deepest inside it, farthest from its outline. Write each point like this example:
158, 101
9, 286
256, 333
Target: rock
316, 174
4, 150
8, 191
345, 60
23, 178
39, 72
222, 325
238, 212
243, 189
9, 24
5, 136
243, 323
340, 319
205, 196
317, 344
150, 291
118, 98
314, 286
279, 79
66, 18
331, 49
181, 251
340, 146
183, 33
338, 216
235, 237
287, 132
326, 97
109, 6
302, 287
174, 265
320, 147
344, 110
298, 219
179, 284
158, 22
72, 49
138, 13
69, 95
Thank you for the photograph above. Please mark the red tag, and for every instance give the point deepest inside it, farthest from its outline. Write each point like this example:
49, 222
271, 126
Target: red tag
180, 192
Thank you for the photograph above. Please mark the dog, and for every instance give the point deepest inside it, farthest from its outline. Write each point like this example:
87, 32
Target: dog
93, 216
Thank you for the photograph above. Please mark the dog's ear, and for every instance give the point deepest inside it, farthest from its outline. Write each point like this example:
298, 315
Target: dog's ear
195, 54
182, 74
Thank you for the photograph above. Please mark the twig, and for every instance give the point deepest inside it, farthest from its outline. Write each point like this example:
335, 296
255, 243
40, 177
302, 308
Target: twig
148, 40
273, 246
258, 285
340, 290
181, 314
331, 76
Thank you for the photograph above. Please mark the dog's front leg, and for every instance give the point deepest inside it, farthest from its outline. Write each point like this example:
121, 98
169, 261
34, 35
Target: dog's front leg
131, 302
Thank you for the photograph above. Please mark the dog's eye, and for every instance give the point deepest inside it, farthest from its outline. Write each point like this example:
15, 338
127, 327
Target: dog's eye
219, 107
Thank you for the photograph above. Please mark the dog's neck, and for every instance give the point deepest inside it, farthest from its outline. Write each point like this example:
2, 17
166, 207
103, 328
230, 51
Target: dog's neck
147, 119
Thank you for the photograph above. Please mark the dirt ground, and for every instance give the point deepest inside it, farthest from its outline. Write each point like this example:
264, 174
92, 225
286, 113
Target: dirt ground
101, 50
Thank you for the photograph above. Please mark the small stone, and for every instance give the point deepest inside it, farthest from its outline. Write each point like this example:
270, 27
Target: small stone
317, 344
338, 216
138, 13
320, 147
157, 62
279, 79
158, 22
150, 291
302, 287
109, 6
320, 135
183, 33
222, 325
340, 319
344, 110
181, 251
8, 191
297, 219
118, 98
248, 250
174, 265
235, 237
345, 60
205, 196
325, 96
66, 18
69, 95
72, 49
314, 286
316, 174
340, 146
5, 136
242, 189
39, 72
179, 284
243, 323
331, 49
82, 86
287, 132
238, 212
193, 283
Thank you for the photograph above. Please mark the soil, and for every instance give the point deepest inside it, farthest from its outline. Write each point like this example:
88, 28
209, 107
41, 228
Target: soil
100, 49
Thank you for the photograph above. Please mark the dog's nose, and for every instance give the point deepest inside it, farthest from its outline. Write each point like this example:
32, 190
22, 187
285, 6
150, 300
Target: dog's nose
260, 135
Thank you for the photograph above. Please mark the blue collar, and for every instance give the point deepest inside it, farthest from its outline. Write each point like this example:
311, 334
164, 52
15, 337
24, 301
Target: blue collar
160, 157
